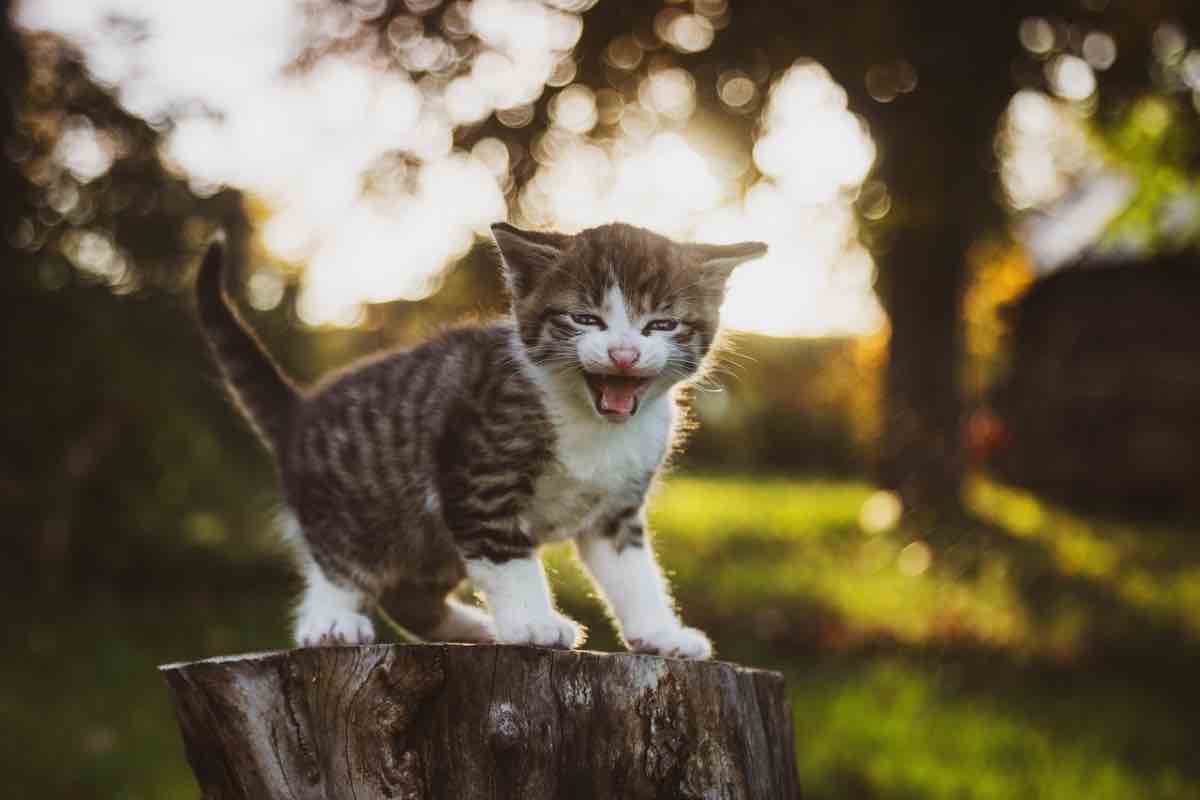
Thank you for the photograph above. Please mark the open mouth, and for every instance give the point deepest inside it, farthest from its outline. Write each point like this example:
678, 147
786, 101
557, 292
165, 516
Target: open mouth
615, 396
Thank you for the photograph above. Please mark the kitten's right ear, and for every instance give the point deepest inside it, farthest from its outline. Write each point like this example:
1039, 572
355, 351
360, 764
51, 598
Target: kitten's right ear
525, 254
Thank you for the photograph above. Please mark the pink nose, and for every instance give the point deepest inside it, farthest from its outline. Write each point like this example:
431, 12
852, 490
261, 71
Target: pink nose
624, 357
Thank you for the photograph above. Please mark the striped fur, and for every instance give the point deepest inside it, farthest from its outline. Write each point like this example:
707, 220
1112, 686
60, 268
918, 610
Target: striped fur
460, 456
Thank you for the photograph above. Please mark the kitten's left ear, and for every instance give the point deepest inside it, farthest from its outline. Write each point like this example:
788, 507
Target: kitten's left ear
720, 259
525, 254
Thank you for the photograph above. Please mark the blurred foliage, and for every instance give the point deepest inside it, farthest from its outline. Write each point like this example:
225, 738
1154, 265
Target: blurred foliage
114, 441
128, 228
102, 264
1000, 274
1156, 138
1143, 115
790, 405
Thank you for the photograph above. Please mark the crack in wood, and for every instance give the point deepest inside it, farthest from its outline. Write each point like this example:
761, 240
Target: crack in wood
420, 722
292, 680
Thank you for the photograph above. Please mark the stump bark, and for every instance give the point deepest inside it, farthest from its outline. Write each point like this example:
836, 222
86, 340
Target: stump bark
461, 721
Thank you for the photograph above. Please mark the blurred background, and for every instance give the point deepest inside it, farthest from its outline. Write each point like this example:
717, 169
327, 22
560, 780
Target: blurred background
947, 478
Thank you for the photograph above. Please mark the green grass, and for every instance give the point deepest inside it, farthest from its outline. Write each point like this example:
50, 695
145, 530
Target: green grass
1039, 654
904, 727
85, 712
1029, 652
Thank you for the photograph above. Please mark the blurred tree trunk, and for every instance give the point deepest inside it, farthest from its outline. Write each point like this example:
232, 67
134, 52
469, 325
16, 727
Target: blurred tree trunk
937, 160
13, 73
13, 76
433, 721
920, 285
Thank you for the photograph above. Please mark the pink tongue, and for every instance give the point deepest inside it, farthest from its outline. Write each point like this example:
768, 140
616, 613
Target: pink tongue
617, 397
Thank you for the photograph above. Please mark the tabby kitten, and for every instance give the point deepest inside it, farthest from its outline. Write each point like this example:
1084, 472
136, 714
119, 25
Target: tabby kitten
458, 458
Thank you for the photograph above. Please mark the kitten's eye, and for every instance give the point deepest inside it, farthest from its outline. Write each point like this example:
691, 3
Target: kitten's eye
587, 319
661, 325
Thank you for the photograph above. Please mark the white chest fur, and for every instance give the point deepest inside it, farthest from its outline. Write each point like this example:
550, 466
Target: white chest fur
597, 466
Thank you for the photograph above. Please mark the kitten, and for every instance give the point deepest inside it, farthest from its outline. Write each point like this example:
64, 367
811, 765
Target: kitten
458, 458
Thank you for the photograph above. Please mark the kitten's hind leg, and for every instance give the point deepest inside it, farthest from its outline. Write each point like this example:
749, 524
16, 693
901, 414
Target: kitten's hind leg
428, 612
464, 623
330, 613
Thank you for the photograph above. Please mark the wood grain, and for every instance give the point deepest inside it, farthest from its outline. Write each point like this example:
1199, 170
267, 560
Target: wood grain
462, 721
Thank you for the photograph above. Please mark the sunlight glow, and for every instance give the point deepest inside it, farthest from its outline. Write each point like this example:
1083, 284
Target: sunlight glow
1050, 170
1071, 77
357, 167
1043, 147
813, 153
82, 151
306, 142
880, 512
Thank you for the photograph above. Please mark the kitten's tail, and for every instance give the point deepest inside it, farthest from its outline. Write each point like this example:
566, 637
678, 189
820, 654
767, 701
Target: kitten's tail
264, 394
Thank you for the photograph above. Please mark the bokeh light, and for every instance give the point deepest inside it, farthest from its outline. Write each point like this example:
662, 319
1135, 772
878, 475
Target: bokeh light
813, 155
1036, 35
1048, 163
670, 92
265, 289
574, 109
812, 143
1042, 146
306, 141
1170, 43
624, 53
915, 559
880, 512
736, 89
885, 82
1099, 50
82, 151
690, 33
1070, 77
354, 158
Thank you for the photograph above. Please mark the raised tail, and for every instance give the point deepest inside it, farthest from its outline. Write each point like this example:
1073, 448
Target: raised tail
266, 396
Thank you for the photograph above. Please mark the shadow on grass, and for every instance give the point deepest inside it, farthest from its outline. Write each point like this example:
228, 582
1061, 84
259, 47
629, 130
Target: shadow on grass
946, 723
955, 715
1116, 630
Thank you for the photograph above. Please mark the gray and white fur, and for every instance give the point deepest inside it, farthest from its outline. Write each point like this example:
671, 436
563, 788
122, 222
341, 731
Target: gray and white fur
456, 459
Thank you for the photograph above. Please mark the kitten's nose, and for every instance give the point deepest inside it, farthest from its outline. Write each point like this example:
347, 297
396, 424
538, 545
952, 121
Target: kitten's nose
624, 357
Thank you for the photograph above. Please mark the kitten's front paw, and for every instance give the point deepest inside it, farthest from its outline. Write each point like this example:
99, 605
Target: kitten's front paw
333, 628
555, 631
676, 642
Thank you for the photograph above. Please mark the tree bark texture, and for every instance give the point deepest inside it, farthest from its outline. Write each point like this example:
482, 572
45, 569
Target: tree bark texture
462, 721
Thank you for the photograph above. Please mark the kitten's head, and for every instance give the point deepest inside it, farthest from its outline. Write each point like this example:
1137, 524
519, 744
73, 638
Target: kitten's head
616, 315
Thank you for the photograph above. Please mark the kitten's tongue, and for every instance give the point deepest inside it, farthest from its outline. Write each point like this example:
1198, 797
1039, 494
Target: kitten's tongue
618, 395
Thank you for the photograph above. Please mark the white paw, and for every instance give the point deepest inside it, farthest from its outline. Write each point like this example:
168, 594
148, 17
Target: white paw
465, 623
334, 627
673, 642
553, 631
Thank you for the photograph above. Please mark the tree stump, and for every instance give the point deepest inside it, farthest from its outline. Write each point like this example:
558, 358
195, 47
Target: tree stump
462, 721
